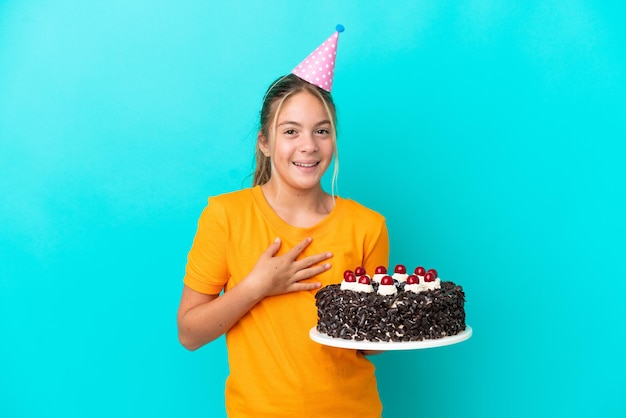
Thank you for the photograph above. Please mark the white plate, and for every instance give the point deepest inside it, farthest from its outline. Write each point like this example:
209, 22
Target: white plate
391, 345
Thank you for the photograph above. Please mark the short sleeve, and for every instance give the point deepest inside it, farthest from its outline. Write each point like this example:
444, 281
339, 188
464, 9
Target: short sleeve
207, 268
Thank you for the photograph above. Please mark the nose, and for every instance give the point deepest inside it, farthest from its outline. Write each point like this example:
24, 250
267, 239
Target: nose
308, 142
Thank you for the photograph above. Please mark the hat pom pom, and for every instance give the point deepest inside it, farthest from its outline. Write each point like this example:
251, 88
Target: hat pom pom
340, 28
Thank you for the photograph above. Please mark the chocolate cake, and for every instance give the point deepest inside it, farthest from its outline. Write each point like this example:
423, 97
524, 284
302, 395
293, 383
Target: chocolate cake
421, 307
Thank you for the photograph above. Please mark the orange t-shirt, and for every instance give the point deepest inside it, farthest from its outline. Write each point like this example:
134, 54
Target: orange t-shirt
276, 370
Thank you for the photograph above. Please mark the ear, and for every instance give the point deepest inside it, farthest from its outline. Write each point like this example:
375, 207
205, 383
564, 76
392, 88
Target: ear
263, 144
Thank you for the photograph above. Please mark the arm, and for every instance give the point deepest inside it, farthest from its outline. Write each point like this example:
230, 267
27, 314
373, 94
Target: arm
203, 318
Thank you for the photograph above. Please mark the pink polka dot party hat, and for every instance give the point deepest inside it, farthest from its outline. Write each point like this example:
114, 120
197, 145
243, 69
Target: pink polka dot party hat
319, 67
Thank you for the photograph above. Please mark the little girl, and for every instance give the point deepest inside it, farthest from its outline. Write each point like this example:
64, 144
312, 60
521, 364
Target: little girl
268, 249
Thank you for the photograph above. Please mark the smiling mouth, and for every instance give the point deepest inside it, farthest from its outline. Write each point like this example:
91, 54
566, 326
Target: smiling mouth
307, 165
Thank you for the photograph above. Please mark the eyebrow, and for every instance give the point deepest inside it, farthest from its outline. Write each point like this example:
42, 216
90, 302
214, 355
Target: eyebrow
290, 122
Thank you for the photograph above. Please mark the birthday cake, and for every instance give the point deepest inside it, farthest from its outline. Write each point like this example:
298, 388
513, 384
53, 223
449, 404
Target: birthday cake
391, 307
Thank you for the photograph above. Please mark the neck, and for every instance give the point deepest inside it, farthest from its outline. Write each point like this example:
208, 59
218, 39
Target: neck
302, 208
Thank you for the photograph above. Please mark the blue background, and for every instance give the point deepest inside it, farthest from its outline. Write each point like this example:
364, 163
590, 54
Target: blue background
489, 133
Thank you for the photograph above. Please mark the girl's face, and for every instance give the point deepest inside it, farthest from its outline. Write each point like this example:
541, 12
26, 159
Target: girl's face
301, 143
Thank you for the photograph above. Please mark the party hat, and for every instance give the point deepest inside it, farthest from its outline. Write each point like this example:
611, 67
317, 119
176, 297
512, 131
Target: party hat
319, 67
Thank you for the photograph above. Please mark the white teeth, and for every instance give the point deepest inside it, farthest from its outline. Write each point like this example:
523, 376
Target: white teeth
305, 165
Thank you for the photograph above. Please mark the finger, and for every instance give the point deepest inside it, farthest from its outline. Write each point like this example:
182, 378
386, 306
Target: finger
273, 248
299, 248
304, 286
313, 259
307, 273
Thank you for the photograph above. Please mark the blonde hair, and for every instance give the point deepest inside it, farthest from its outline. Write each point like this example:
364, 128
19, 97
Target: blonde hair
275, 96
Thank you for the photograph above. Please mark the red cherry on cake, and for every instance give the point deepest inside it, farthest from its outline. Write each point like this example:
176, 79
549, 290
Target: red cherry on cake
386, 281
412, 279
420, 271
349, 277
364, 279
359, 271
345, 273
434, 272
381, 270
429, 277
400, 269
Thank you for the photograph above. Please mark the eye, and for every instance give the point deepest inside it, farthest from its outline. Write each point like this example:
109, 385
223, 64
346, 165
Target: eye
323, 132
290, 132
